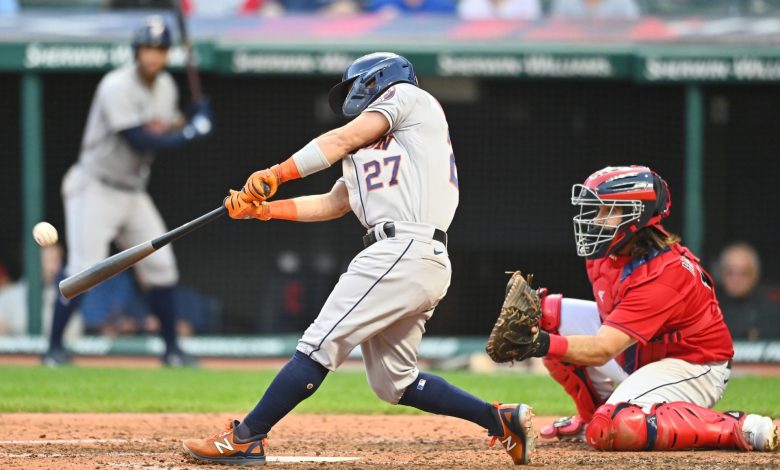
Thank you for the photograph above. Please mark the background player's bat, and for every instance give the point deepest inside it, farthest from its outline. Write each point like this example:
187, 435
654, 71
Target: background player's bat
113, 265
192, 71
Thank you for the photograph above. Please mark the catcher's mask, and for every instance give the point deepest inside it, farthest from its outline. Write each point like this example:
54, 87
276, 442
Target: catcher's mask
635, 196
366, 79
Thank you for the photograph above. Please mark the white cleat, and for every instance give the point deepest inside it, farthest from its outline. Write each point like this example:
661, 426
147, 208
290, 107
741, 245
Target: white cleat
760, 432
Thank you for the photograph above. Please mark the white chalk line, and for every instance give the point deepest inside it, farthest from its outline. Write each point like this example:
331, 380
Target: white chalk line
74, 441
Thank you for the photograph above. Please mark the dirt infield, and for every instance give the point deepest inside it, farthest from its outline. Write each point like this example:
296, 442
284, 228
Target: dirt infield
149, 441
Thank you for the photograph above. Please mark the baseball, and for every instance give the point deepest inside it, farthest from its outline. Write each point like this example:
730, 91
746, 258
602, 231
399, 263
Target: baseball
45, 234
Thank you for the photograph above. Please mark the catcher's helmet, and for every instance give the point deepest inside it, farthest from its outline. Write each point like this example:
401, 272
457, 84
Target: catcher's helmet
154, 32
366, 79
642, 195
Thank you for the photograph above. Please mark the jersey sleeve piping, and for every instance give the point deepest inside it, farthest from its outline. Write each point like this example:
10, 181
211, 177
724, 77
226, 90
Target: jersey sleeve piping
630, 332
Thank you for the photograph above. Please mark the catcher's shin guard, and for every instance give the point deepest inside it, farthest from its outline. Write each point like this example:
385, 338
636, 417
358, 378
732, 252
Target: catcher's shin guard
576, 383
668, 426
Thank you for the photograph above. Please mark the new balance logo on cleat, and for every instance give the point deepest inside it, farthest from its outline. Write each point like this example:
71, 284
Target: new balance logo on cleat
508, 444
227, 445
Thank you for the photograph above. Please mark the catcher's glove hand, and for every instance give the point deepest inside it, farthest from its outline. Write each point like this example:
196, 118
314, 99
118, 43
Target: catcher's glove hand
516, 334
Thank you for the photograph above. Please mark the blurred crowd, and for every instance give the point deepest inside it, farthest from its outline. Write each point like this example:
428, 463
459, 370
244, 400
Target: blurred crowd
466, 9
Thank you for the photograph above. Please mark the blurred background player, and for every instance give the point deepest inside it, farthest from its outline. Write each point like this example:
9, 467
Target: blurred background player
134, 115
751, 309
401, 182
647, 360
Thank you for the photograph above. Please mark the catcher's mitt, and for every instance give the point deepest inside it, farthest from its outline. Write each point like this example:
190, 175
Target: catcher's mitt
512, 338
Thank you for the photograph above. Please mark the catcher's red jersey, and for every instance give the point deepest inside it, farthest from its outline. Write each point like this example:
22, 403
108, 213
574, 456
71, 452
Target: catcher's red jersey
666, 302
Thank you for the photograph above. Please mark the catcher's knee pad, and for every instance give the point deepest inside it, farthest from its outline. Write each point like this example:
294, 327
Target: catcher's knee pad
618, 427
576, 383
668, 426
551, 313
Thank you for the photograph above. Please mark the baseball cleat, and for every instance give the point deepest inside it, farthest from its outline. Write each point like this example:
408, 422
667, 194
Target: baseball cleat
760, 433
56, 358
565, 429
518, 437
227, 448
178, 358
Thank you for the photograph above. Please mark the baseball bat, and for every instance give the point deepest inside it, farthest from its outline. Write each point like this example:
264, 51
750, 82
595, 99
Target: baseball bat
113, 265
192, 71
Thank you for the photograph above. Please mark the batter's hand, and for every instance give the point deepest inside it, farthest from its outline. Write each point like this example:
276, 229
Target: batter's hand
239, 208
261, 185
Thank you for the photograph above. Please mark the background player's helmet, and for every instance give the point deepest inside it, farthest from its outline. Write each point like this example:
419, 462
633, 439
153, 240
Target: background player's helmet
154, 32
366, 79
640, 192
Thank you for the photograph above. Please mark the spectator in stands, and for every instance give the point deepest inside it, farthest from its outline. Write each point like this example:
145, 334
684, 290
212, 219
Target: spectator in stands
595, 9
116, 308
411, 6
328, 7
499, 9
221, 7
751, 310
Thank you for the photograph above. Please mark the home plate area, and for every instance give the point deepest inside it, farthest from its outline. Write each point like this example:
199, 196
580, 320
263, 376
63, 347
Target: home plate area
151, 441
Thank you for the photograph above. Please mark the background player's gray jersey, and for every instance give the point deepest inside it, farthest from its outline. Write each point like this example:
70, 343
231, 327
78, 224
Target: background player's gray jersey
123, 101
410, 174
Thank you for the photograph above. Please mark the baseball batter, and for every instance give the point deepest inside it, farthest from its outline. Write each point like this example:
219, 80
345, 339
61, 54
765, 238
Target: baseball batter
133, 115
646, 361
400, 180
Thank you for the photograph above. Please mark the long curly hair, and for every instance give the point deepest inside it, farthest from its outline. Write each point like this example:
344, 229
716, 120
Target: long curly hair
649, 239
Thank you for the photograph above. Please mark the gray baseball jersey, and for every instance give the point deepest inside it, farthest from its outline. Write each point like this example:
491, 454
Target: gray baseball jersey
104, 192
123, 101
410, 174
392, 287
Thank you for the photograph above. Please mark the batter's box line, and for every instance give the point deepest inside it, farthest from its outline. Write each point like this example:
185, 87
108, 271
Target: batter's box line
76, 441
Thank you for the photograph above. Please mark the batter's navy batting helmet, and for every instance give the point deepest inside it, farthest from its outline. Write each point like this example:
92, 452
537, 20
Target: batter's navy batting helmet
366, 78
154, 32
642, 196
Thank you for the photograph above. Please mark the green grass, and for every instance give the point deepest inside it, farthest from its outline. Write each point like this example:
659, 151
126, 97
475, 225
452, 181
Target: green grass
76, 389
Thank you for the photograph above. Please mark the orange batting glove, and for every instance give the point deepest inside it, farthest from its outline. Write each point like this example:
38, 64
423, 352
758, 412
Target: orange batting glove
238, 206
263, 184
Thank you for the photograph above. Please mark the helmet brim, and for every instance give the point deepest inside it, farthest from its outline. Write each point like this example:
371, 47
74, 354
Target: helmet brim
338, 94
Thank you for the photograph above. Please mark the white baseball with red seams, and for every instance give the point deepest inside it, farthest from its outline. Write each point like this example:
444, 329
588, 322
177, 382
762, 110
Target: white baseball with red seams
45, 234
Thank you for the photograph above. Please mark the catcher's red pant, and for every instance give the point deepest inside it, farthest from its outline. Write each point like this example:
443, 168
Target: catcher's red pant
668, 426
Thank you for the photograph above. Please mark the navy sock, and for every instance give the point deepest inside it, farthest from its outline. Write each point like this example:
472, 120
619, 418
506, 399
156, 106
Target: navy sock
63, 310
297, 381
163, 303
433, 394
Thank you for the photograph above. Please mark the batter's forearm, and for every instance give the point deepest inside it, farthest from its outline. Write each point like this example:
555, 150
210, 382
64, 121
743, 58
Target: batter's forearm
317, 208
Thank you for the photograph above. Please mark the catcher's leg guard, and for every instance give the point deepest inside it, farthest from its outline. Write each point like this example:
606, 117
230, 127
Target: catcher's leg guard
576, 382
668, 426
551, 313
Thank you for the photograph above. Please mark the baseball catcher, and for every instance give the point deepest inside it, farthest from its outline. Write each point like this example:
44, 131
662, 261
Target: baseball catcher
646, 361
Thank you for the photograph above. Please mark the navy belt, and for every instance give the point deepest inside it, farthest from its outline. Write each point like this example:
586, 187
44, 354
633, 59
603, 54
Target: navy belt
389, 229
117, 185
